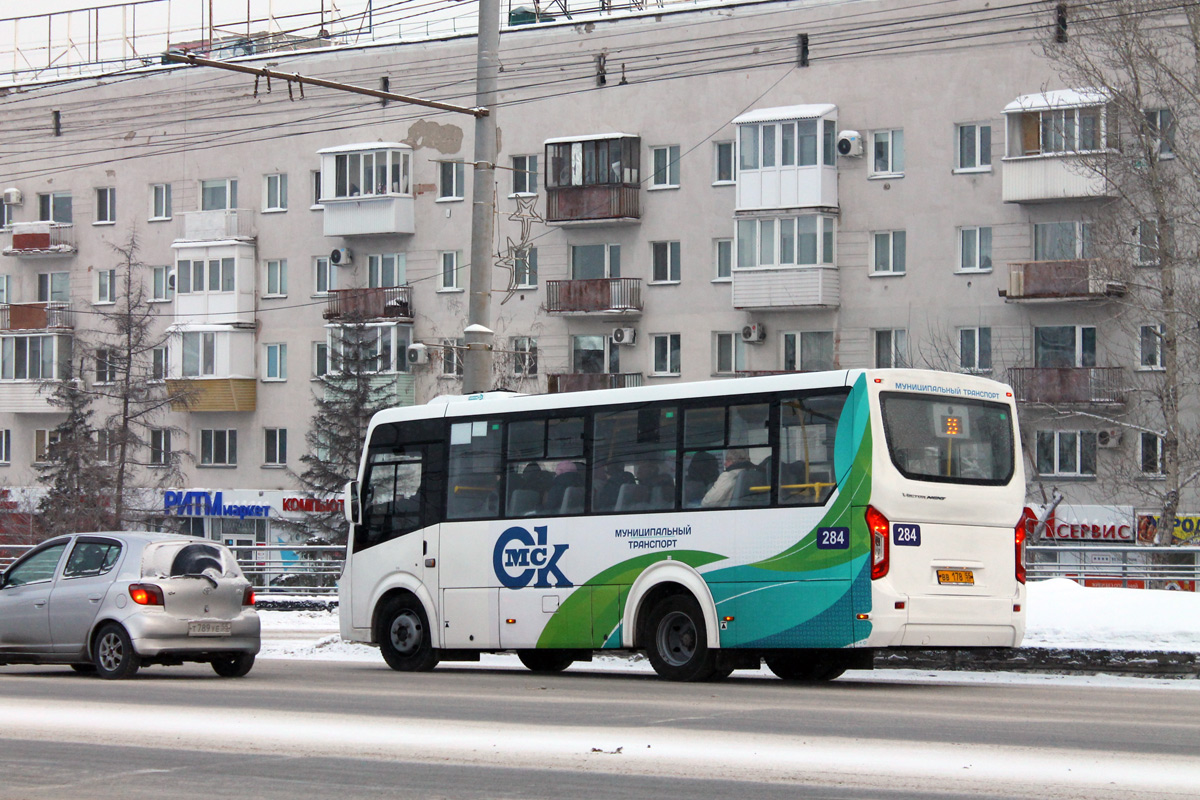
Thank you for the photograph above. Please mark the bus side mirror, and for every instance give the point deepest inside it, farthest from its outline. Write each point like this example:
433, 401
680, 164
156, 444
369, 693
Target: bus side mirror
350, 503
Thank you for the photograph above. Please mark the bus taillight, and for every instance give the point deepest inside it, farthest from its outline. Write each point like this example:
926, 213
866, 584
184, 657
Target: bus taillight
879, 526
1021, 534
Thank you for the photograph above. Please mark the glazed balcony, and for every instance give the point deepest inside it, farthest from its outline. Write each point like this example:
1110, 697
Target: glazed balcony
587, 381
620, 297
1068, 385
42, 240
393, 302
1064, 281
35, 316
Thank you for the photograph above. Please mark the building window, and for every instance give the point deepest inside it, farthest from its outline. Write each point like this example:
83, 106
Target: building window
1147, 243
729, 353
218, 448
525, 174
275, 446
6, 216
449, 261
666, 353
199, 354
55, 207
316, 188
386, 270
1150, 447
326, 275
160, 447
974, 249
108, 450
106, 366
1150, 346
5, 446
1062, 241
1064, 346
160, 362
887, 153
276, 362
891, 348
450, 184
889, 252
975, 349
1161, 124
380, 348
666, 167
106, 286
277, 278
5, 289
320, 359
808, 351
1057, 130
160, 201
275, 192
31, 358
596, 162
791, 241
452, 356
371, 172
218, 195
164, 284
665, 261
1066, 453
723, 163
723, 259
592, 261
525, 263
524, 351
43, 440
106, 205
54, 287
974, 148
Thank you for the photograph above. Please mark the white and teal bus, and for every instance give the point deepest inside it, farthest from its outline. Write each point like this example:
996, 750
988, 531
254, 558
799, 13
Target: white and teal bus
807, 520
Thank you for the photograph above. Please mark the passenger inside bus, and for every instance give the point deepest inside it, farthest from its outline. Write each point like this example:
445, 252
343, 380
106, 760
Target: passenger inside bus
725, 491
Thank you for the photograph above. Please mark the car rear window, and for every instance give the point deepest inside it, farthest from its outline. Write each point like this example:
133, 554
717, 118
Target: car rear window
173, 559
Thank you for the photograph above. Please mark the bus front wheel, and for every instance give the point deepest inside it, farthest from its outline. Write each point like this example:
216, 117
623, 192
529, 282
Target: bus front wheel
402, 631
677, 641
545, 661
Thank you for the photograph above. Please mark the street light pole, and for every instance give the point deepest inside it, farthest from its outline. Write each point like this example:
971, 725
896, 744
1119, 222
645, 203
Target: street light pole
477, 360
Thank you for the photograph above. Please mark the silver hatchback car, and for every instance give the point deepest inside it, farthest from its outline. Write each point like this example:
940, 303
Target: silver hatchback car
109, 603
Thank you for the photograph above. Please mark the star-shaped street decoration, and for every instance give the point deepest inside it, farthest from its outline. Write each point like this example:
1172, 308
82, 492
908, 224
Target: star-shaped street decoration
526, 214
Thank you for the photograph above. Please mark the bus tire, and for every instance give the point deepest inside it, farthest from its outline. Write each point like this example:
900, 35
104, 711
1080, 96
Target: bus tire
802, 667
402, 631
545, 661
677, 640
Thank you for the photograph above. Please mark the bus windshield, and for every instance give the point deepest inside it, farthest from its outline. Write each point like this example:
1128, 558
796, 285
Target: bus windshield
932, 438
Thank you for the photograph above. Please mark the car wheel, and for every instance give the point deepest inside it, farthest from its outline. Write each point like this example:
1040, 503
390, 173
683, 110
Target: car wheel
233, 666
113, 653
402, 631
677, 640
84, 669
545, 661
805, 668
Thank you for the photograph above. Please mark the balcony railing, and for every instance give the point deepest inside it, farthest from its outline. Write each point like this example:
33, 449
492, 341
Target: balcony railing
1079, 279
787, 287
213, 394
586, 381
42, 239
217, 224
1050, 177
392, 302
35, 316
1068, 385
594, 295
611, 203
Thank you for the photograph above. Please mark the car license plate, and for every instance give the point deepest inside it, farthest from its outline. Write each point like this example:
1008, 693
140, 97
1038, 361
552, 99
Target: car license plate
961, 577
210, 628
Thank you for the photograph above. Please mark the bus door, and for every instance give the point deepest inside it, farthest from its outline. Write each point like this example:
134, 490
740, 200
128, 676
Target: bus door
398, 536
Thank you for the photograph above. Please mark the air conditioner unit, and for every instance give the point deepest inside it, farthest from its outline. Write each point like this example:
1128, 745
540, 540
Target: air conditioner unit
418, 354
1110, 437
171, 281
341, 257
12, 197
624, 335
754, 333
850, 144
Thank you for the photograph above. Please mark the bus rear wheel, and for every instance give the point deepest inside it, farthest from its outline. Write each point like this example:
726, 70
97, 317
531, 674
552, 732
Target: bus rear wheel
545, 661
677, 641
805, 667
402, 631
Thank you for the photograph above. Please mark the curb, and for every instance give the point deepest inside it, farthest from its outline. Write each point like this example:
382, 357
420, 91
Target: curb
1048, 660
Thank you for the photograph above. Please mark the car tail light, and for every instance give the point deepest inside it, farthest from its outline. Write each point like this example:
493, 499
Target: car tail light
879, 526
1021, 534
145, 594
248, 596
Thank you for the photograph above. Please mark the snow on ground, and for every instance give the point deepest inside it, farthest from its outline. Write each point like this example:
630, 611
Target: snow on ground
1061, 613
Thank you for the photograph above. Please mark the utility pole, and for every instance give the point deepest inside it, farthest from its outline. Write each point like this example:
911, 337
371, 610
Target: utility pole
477, 360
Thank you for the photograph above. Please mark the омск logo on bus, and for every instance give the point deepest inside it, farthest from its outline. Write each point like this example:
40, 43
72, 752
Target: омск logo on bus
518, 555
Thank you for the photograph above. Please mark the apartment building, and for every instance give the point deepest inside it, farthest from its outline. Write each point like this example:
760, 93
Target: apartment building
682, 195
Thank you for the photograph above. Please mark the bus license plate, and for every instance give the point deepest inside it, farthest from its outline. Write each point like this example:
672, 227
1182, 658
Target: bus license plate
961, 577
210, 628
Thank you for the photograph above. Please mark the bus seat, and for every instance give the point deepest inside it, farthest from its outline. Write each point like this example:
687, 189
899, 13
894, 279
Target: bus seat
523, 502
743, 489
572, 502
693, 493
662, 496
632, 497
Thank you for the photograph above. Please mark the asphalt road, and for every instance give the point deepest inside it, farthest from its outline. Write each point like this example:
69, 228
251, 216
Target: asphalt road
349, 730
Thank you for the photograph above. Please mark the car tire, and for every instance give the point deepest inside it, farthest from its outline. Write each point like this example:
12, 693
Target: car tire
545, 661
113, 653
402, 632
677, 640
235, 665
84, 669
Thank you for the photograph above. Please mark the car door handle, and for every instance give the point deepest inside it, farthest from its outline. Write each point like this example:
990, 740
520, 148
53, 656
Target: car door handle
39, 603
94, 598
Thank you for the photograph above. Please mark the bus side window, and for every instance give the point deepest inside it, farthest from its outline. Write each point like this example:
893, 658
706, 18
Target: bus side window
473, 483
391, 497
807, 430
633, 459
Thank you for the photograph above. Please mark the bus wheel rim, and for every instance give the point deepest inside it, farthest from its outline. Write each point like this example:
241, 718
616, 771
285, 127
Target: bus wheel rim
406, 633
677, 638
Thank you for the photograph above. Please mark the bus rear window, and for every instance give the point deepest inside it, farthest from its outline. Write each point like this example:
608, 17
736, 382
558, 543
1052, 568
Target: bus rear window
933, 438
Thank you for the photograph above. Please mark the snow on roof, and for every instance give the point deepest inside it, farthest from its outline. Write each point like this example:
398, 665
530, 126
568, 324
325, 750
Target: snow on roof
590, 138
1059, 98
358, 148
810, 111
